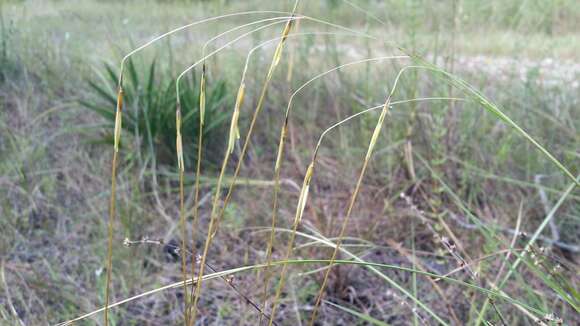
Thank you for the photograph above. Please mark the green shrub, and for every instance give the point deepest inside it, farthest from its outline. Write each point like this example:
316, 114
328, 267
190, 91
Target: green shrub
149, 112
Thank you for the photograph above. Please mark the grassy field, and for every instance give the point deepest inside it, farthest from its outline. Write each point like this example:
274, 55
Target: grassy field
427, 150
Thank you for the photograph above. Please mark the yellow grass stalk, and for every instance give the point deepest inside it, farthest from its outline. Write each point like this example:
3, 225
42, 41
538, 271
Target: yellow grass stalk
117, 140
181, 168
214, 219
291, 57
234, 134
297, 219
372, 143
202, 96
202, 105
279, 160
195, 206
226, 159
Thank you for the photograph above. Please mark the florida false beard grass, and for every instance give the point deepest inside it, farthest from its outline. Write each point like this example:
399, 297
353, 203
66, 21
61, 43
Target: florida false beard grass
214, 218
181, 168
234, 131
200, 136
304, 197
305, 187
451, 79
297, 219
117, 140
354, 195
370, 149
234, 135
202, 110
118, 120
275, 62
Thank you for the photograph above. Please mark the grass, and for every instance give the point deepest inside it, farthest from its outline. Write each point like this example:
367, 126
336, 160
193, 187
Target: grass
432, 206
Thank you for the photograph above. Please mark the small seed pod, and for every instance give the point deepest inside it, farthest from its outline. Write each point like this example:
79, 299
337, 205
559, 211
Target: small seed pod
304, 193
202, 97
280, 148
118, 119
378, 128
234, 129
178, 141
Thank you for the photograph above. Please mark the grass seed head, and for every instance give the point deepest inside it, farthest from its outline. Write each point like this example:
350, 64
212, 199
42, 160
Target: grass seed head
280, 47
178, 141
377, 130
280, 148
118, 119
304, 193
202, 97
234, 128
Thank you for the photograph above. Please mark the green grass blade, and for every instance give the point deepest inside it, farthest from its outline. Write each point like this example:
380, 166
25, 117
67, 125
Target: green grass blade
357, 314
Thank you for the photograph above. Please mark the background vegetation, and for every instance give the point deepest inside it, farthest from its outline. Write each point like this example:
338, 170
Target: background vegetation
449, 184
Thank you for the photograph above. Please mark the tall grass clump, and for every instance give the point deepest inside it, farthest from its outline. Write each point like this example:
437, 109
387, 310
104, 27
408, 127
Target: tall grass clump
116, 142
160, 119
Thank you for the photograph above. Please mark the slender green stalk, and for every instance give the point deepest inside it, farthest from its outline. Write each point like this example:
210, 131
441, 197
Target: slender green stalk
414, 279
532, 240
235, 116
359, 315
